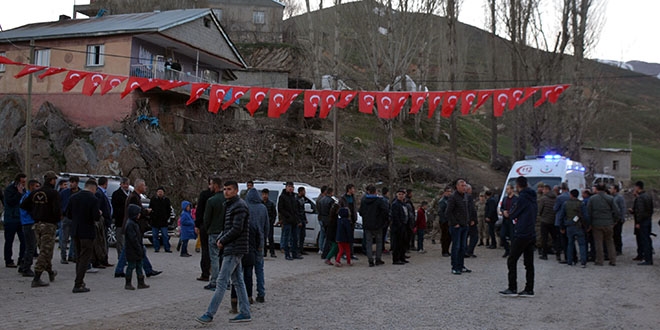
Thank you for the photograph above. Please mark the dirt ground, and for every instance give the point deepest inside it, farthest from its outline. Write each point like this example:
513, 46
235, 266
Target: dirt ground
307, 294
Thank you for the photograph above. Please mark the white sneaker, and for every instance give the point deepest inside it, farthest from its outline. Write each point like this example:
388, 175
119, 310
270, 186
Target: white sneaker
421, 251
93, 270
320, 251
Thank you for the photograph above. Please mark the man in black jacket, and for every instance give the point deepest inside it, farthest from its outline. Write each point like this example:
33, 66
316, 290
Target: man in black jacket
287, 208
398, 228
205, 261
643, 212
491, 218
83, 210
118, 204
374, 212
272, 215
160, 212
45, 208
234, 241
460, 214
12, 218
523, 216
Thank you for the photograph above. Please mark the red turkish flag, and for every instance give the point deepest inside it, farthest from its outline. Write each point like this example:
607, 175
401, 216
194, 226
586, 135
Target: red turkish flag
280, 100
435, 98
366, 102
50, 72
312, 102
29, 68
556, 92
451, 98
132, 84
111, 82
92, 81
529, 92
467, 99
166, 85
148, 84
515, 94
482, 96
217, 95
5, 60
327, 102
257, 96
345, 99
72, 79
418, 99
500, 99
390, 103
236, 93
545, 93
196, 91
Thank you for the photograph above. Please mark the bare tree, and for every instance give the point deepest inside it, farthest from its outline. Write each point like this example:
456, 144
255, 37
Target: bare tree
292, 8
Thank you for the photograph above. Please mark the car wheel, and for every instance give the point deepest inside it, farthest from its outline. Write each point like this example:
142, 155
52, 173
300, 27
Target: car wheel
111, 236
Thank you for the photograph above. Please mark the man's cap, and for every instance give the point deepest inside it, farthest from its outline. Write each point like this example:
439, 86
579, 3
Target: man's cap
133, 211
289, 183
401, 190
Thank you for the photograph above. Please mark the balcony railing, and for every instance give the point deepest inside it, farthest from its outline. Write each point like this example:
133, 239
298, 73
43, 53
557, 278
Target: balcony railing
148, 71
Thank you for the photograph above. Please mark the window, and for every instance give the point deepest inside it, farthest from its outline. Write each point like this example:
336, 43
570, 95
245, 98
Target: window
2, 66
258, 17
42, 57
95, 55
615, 165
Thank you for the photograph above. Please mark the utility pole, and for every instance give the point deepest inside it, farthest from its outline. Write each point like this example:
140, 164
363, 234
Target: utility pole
335, 115
28, 119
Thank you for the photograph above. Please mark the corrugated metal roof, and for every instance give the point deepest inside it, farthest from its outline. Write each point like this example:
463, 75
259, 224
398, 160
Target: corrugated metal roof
106, 25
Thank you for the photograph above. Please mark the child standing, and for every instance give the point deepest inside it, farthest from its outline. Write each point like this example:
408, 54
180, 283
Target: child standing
420, 226
187, 226
134, 248
344, 236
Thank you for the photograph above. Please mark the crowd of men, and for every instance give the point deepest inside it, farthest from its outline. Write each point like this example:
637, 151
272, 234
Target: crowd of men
236, 234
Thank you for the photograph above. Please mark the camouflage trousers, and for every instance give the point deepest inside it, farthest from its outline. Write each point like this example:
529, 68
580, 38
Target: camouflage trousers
45, 233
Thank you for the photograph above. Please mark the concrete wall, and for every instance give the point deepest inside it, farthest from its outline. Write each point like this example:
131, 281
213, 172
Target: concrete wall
262, 79
237, 21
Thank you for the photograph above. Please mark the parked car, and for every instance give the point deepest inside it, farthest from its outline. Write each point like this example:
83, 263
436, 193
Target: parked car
313, 228
113, 185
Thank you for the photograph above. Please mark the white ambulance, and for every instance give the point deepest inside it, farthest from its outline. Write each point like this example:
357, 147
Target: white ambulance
549, 169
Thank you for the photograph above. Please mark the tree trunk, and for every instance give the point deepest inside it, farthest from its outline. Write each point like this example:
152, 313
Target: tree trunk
493, 59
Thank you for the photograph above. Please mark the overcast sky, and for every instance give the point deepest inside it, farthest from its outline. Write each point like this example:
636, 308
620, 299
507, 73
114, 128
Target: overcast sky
628, 31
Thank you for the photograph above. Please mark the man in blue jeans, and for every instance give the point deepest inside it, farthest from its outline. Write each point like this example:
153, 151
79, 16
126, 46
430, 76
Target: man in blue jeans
287, 208
234, 241
523, 215
460, 214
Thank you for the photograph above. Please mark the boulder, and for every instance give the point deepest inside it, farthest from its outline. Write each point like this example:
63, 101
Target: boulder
108, 145
58, 129
81, 157
12, 118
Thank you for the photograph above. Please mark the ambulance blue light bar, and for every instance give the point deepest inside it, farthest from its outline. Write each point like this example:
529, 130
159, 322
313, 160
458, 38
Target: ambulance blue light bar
552, 157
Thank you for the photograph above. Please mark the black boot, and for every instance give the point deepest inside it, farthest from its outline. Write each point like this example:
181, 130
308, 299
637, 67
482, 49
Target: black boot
51, 275
129, 286
141, 284
37, 282
234, 305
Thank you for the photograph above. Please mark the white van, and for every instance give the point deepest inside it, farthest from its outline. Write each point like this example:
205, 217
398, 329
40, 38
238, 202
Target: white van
549, 169
313, 228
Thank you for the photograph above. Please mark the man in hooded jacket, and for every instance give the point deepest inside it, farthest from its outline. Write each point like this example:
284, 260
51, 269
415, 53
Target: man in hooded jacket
258, 222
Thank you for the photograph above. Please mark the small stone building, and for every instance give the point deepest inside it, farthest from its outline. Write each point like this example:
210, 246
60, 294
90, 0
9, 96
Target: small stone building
611, 161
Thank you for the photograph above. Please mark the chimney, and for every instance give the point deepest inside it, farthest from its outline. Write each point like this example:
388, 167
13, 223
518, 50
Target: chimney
64, 18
